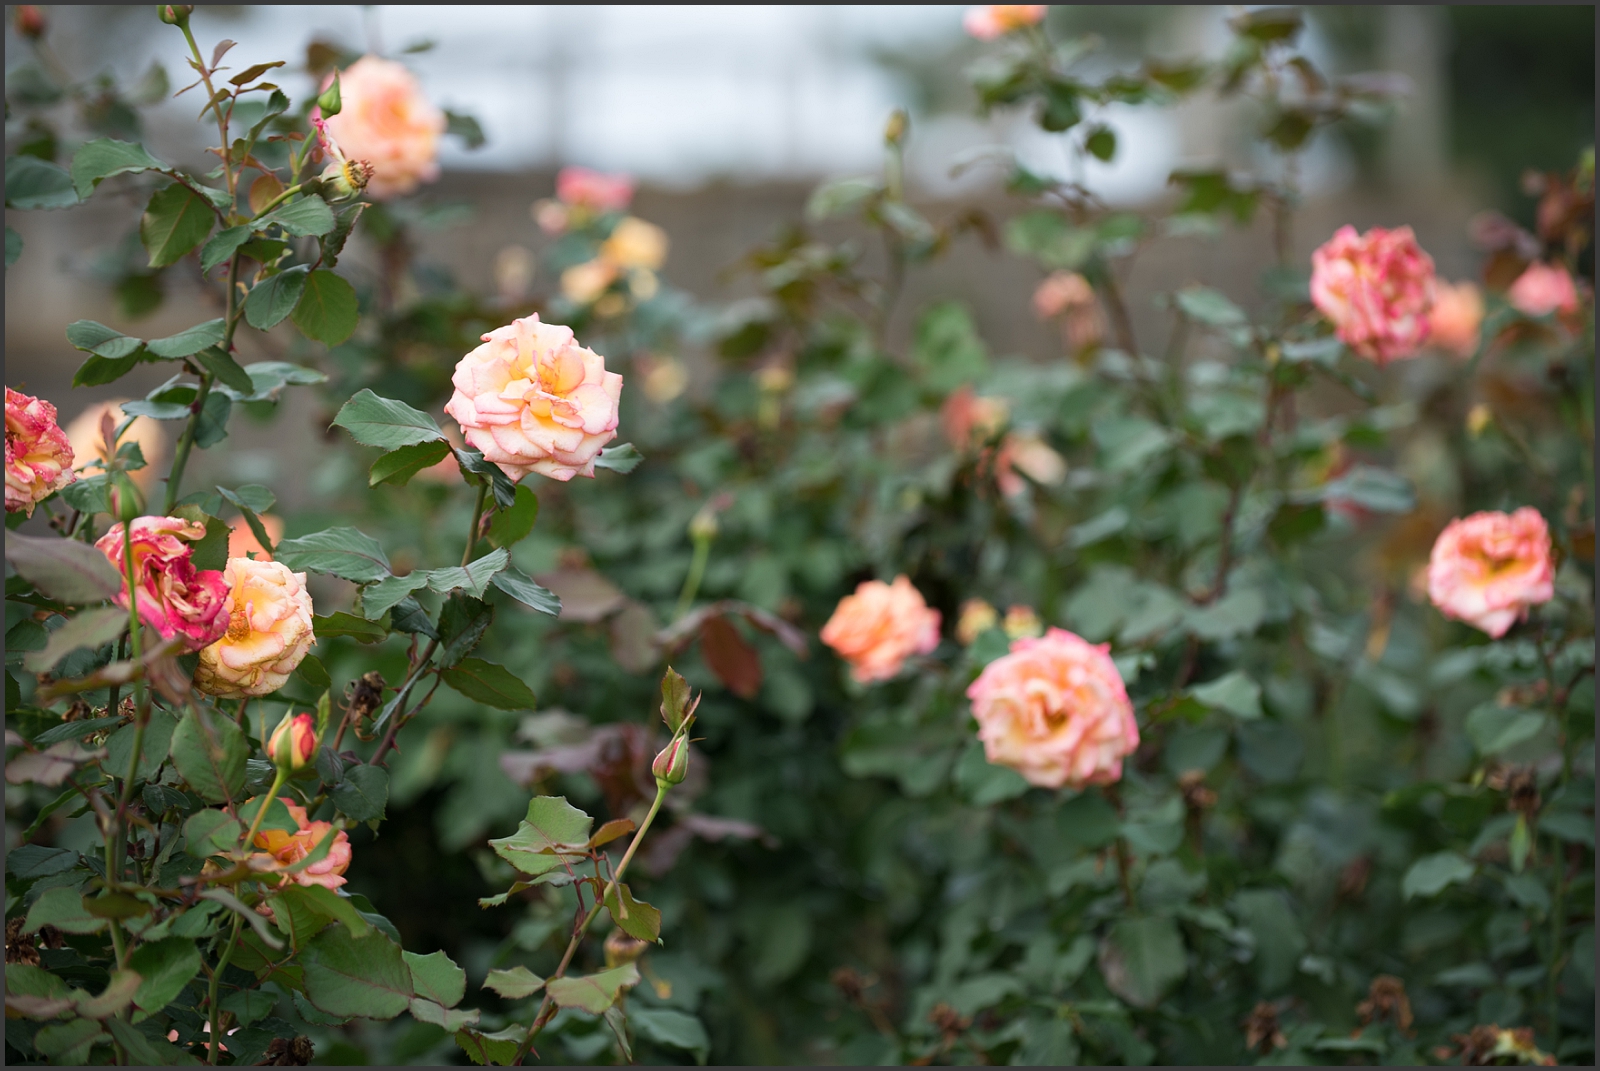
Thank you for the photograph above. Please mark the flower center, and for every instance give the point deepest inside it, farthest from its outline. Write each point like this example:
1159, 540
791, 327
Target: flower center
238, 625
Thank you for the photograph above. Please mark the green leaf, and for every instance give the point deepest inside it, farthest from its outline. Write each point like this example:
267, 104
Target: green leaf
634, 917
209, 833
342, 624
176, 220
674, 699
462, 624
552, 824
473, 578
1061, 110
210, 551
514, 983
1278, 938
464, 127
1101, 143
277, 816
67, 571
275, 297
515, 583
1432, 874
328, 310
398, 466
498, 1048
376, 421
68, 1042
188, 342
1141, 958
512, 525
90, 629
164, 968
250, 1005
672, 1028
379, 598
104, 157
839, 196
334, 241
623, 458
364, 792
592, 993
224, 369
435, 977
326, 903
61, 907
985, 783
473, 463
948, 350
1235, 692
1205, 305
222, 246
13, 246
306, 217
1378, 490
427, 1011
1494, 728
349, 976
28, 861
212, 427
35, 183
252, 496
489, 684
100, 340
210, 752
157, 737
342, 552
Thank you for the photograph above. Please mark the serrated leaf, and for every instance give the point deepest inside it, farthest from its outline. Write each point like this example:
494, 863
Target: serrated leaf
512, 524
473, 577
34, 183
223, 245
363, 794
164, 967
436, 977
551, 824
275, 297
622, 458
67, 571
328, 310
306, 217
517, 584
61, 907
462, 624
188, 342
373, 420
490, 684
209, 833
398, 466
100, 340
342, 624
673, 1028
592, 993
427, 1011
1493, 728
497, 1048
176, 220
91, 628
210, 752
350, 976
502, 486
634, 917
342, 552
514, 983
327, 904
104, 157
379, 598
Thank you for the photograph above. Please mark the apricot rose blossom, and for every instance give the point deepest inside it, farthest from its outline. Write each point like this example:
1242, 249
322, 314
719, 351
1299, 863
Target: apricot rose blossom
386, 121
38, 455
988, 21
1377, 288
1056, 711
880, 626
281, 849
1490, 568
533, 400
173, 597
1457, 318
268, 632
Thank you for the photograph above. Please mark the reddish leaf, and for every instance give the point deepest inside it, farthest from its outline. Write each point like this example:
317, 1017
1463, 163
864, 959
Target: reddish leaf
733, 660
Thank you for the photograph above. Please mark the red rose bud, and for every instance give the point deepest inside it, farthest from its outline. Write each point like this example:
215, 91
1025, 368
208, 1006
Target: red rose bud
174, 14
672, 765
29, 20
293, 743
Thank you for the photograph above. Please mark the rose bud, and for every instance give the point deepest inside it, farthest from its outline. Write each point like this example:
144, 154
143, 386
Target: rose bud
293, 742
30, 21
175, 14
672, 765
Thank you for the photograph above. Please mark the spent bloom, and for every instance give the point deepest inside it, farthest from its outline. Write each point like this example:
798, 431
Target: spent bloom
533, 400
268, 632
1457, 318
880, 626
173, 597
988, 21
594, 190
38, 454
1490, 568
386, 122
1377, 288
1543, 289
281, 849
1056, 711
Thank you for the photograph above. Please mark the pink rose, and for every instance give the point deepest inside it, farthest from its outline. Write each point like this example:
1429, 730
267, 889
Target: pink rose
533, 400
281, 849
268, 631
385, 121
174, 597
880, 626
1068, 295
1456, 318
1055, 710
1543, 289
1489, 568
594, 190
1025, 454
988, 21
38, 456
971, 422
1377, 288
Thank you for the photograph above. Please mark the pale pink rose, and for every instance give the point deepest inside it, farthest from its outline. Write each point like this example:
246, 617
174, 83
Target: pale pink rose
174, 597
386, 122
1055, 710
1489, 568
1060, 291
594, 190
281, 849
38, 455
880, 626
988, 21
1377, 288
533, 400
268, 633
89, 446
1456, 318
1543, 289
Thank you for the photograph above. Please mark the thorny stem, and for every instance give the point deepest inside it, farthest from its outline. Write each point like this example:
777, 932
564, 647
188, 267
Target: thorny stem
546, 1008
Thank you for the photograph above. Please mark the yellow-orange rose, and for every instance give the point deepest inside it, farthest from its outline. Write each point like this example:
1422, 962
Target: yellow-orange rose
635, 244
269, 631
880, 626
386, 121
533, 400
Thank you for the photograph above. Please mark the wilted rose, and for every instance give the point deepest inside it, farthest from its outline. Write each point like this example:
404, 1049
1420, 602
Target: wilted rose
38, 454
880, 626
173, 597
533, 400
281, 849
1543, 289
387, 122
1377, 288
1490, 568
1457, 318
268, 634
988, 21
1056, 711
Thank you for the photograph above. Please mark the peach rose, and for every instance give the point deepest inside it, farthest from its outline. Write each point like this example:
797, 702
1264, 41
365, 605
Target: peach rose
281, 849
1377, 288
1543, 289
880, 626
1055, 710
173, 597
1068, 295
594, 190
582, 284
242, 542
268, 631
533, 400
634, 243
88, 445
38, 455
988, 21
971, 422
1456, 318
386, 121
1490, 568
